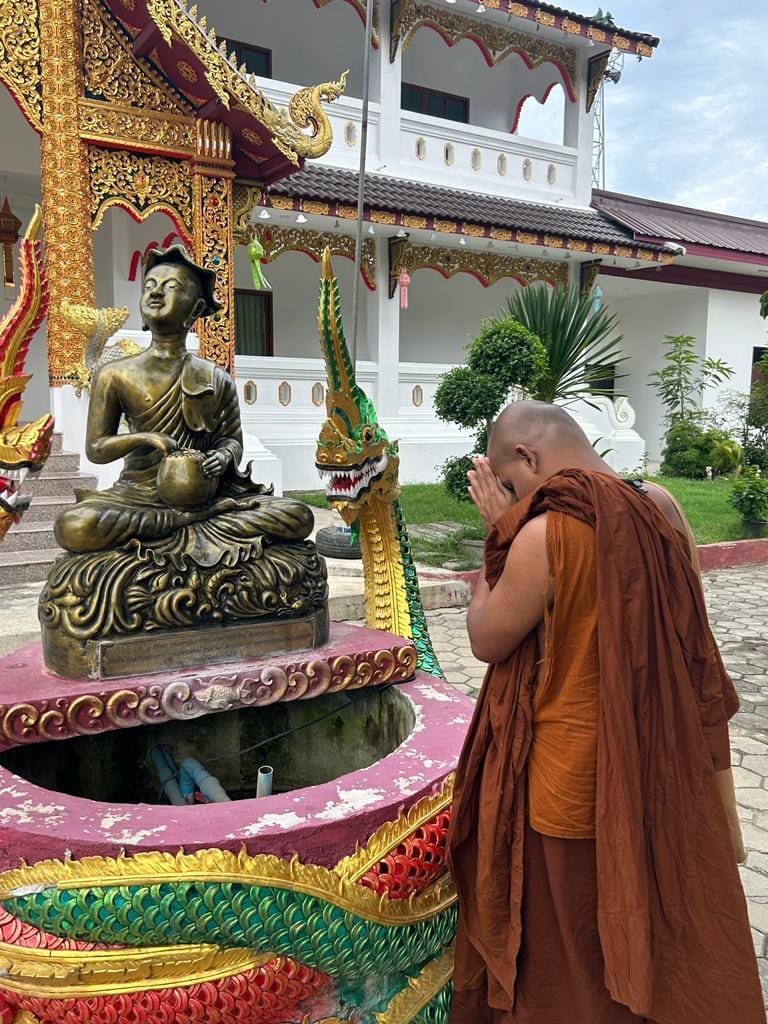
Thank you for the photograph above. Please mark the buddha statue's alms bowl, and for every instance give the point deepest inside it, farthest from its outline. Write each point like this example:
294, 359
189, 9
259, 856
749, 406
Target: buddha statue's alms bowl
181, 482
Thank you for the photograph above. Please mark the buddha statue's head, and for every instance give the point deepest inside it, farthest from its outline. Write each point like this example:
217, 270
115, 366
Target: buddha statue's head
176, 290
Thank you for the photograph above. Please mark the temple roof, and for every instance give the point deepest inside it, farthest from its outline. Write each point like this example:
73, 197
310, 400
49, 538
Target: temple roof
599, 29
653, 221
267, 143
402, 196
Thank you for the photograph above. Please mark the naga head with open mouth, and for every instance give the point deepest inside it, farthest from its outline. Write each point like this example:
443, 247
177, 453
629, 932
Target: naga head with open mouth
355, 459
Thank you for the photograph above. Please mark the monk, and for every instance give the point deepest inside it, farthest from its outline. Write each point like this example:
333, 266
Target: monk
595, 837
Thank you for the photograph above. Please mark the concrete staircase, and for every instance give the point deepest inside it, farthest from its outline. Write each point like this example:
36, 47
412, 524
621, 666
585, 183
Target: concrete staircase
29, 547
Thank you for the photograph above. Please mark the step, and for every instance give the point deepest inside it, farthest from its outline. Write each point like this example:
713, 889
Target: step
56, 484
46, 508
30, 536
25, 566
61, 462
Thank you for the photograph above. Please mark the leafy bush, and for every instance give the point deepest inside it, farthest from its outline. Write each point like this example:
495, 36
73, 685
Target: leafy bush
504, 355
749, 495
682, 381
691, 446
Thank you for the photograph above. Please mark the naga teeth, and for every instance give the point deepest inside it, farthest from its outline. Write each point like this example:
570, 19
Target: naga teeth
350, 482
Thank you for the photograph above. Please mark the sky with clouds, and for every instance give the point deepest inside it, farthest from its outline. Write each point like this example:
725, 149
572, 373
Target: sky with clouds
690, 125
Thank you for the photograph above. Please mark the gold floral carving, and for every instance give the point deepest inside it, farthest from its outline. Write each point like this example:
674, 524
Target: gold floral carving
64, 169
277, 241
502, 234
73, 973
383, 217
545, 18
140, 184
113, 73
496, 41
601, 248
411, 221
474, 230
313, 206
245, 196
487, 267
347, 212
445, 225
224, 866
420, 991
527, 237
281, 202
169, 134
554, 241
20, 61
212, 180
623, 250
235, 86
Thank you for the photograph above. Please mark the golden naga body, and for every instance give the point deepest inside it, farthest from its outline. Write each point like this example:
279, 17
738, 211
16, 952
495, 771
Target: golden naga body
23, 448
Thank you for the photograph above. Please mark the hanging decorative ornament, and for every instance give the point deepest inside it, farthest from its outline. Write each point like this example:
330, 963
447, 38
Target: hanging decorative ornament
10, 226
597, 297
255, 252
404, 280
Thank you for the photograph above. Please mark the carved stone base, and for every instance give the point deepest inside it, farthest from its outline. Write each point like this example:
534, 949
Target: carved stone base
166, 650
144, 608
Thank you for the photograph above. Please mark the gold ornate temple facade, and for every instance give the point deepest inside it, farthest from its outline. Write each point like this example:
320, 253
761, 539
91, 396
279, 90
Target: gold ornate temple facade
141, 106
154, 128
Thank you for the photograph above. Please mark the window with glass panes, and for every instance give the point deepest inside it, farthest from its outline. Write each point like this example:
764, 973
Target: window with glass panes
253, 323
257, 60
437, 104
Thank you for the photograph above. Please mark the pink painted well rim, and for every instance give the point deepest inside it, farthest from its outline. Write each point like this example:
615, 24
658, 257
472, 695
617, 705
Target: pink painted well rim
320, 823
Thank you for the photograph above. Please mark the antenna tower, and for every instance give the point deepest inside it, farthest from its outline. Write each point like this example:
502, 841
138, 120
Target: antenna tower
613, 72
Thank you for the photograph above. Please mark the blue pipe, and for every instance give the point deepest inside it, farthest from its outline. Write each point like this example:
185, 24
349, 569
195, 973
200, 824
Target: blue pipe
165, 767
264, 781
192, 776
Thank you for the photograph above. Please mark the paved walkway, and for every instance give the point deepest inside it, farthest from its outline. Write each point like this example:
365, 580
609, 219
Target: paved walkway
738, 609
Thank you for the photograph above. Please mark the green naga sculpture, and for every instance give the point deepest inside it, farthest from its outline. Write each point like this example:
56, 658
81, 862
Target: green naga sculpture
359, 466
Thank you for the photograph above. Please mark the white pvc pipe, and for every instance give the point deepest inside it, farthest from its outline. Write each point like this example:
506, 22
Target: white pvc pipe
264, 781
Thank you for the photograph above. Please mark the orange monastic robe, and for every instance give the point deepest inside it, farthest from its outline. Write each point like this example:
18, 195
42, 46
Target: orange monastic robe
647, 920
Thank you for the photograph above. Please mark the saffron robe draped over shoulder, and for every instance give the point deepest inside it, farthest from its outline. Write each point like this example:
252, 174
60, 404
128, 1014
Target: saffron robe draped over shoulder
671, 912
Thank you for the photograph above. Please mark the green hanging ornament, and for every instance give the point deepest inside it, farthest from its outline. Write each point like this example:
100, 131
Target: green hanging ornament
255, 252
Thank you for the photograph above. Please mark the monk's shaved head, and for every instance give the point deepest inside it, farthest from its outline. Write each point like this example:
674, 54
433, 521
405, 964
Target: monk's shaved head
531, 441
535, 424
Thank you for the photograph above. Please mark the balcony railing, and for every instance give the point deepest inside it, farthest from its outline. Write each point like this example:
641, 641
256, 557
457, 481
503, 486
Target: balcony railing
476, 158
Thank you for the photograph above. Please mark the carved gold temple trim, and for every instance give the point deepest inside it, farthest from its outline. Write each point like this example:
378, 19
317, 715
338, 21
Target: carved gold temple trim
74, 973
486, 267
64, 173
420, 991
112, 72
495, 41
212, 178
233, 84
142, 185
245, 196
158, 133
20, 60
277, 241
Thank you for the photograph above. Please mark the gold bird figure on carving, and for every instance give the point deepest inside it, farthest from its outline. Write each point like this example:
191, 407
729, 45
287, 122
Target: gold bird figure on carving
97, 326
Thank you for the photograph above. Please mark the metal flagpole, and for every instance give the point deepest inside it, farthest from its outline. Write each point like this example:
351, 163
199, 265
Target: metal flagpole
361, 182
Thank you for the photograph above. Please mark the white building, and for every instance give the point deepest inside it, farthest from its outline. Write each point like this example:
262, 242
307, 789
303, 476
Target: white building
479, 157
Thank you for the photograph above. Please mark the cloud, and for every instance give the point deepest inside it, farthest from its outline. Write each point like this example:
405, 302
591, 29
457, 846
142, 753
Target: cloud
688, 125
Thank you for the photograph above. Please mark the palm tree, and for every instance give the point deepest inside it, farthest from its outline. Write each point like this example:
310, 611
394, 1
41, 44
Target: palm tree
582, 346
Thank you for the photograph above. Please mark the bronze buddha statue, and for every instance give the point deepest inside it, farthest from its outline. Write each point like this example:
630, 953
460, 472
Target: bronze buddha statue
182, 538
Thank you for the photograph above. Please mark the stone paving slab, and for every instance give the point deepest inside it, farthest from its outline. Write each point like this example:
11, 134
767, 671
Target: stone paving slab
738, 608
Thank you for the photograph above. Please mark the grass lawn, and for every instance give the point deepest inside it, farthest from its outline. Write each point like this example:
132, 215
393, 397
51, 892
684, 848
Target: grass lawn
705, 503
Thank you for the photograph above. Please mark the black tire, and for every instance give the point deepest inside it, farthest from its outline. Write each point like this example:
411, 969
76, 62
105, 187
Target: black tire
333, 542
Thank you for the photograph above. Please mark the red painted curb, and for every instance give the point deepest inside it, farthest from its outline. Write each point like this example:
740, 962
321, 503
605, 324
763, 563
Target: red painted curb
730, 553
723, 555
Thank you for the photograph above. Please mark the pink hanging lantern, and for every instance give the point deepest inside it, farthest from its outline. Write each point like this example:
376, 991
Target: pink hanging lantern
404, 280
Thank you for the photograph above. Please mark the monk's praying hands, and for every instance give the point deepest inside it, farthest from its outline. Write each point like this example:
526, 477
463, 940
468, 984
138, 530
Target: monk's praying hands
489, 495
